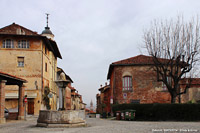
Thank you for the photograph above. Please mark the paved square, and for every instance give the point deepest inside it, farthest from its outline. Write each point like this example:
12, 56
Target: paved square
104, 126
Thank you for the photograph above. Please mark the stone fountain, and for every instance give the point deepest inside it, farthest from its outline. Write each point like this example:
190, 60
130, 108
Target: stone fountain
64, 117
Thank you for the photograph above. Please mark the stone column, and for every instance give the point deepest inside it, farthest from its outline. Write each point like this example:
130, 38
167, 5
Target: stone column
67, 98
60, 98
2, 100
21, 102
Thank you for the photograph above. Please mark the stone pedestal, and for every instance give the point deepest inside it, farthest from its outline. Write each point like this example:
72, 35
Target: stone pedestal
66, 118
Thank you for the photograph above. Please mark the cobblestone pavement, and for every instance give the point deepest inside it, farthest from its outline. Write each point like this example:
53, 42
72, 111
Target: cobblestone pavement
104, 126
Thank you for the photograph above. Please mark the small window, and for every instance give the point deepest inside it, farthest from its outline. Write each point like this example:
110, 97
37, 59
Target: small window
20, 61
8, 43
45, 67
169, 81
45, 50
127, 83
23, 44
164, 87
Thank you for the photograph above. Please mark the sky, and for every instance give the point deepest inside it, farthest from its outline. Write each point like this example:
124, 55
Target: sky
91, 34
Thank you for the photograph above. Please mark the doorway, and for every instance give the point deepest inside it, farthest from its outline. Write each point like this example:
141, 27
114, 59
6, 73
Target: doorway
30, 107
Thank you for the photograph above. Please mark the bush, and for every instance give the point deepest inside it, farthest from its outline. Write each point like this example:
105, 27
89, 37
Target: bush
162, 112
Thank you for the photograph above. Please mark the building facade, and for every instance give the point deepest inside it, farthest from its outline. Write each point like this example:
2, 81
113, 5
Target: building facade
193, 93
133, 80
76, 100
104, 99
32, 56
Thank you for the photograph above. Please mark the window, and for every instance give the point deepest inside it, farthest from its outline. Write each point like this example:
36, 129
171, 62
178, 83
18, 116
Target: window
8, 43
45, 50
164, 87
23, 44
45, 67
127, 83
169, 81
20, 61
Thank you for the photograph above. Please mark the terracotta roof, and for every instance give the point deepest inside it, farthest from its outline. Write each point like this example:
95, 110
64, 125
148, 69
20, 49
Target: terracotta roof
17, 30
87, 109
104, 88
138, 60
91, 111
194, 81
9, 76
135, 61
75, 94
72, 88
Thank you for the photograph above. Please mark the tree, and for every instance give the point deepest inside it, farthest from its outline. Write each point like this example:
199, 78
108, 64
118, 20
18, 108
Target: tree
174, 47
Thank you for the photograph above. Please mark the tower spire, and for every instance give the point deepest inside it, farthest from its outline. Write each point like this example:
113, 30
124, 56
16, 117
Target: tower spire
47, 18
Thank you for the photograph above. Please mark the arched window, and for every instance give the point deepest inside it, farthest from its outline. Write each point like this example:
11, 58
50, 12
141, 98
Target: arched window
8, 43
127, 83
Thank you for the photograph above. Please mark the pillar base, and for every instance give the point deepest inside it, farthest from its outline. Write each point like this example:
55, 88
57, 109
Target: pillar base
2, 120
20, 117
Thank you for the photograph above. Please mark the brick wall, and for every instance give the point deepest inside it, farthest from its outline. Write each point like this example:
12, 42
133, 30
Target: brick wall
146, 89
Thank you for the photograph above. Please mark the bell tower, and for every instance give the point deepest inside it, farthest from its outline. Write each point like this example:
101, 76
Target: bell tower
47, 32
91, 106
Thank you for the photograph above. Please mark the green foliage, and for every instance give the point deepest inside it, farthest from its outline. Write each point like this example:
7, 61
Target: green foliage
45, 97
163, 112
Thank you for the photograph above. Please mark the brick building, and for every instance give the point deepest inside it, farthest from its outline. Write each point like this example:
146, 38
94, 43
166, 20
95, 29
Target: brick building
33, 57
193, 93
103, 99
76, 100
133, 80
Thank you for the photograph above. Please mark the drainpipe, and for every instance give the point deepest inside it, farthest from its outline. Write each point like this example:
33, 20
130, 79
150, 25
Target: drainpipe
42, 76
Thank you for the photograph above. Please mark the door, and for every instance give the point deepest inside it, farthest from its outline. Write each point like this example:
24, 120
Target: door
30, 107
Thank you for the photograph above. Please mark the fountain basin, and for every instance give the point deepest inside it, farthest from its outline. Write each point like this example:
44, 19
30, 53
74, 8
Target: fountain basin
65, 118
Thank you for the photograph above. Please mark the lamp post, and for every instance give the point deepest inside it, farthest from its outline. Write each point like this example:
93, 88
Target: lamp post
62, 84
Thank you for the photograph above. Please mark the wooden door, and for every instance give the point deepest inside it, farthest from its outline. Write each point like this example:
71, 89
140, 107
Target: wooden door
30, 107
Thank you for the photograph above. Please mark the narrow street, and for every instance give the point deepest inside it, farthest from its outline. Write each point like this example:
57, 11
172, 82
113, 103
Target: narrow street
104, 126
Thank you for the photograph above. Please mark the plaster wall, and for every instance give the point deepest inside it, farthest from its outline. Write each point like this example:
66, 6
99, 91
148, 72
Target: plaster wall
33, 70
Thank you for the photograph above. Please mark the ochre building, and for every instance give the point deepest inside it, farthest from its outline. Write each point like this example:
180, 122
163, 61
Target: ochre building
31, 56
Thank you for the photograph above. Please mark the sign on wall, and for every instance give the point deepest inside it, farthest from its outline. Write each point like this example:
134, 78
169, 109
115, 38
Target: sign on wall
50, 95
124, 95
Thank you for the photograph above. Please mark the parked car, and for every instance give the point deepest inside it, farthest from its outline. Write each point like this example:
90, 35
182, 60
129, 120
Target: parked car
6, 113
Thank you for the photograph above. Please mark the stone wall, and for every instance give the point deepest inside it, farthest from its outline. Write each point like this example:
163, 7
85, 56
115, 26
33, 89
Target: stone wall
192, 95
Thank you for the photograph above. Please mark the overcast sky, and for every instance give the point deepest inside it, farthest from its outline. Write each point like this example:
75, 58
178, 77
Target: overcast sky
91, 34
